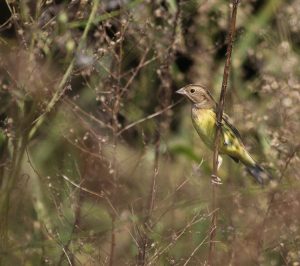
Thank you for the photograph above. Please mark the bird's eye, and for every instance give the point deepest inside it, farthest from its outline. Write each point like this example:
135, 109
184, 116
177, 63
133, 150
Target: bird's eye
192, 90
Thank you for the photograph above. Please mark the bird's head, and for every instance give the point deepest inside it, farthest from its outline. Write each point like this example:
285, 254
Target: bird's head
198, 95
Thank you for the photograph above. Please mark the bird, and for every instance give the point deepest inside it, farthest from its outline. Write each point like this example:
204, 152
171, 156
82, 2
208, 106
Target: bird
204, 113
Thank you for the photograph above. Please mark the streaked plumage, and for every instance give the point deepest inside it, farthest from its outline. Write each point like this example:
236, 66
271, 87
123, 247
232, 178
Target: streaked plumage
204, 121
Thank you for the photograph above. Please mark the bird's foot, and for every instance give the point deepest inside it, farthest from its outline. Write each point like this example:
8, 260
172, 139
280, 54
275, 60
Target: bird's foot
219, 124
216, 180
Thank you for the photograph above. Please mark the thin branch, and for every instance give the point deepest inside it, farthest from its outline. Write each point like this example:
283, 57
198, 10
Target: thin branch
91, 192
115, 109
196, 249
67, 256
58, 242
164, 122
136, 71
61, 86
220, 109
148, 117
88, 115
272, 198
160, 251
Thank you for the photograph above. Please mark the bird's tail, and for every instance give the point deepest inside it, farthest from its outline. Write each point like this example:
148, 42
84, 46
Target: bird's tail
260, 174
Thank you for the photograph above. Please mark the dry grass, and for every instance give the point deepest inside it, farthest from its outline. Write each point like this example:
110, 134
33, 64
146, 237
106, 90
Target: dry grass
99, 163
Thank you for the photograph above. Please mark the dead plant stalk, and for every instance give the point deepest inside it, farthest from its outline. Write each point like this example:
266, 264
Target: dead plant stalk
220, 109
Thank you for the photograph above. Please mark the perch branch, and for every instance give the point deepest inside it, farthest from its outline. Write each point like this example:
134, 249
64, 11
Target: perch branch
220, 109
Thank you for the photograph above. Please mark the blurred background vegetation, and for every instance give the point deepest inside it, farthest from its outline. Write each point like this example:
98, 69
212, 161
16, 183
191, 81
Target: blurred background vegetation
99, 162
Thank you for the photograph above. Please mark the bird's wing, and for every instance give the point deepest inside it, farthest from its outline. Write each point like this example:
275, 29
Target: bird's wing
232, 127
235, 159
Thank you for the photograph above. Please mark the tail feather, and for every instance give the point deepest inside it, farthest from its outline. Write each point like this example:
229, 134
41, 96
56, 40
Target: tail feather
261, 176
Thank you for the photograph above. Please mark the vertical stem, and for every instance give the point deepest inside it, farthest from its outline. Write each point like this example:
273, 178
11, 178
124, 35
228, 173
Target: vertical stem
60, 88
115, 127
260, 241
113, 241
164, 122
220, 109
144, 240
155, 172
6, 190
166, 98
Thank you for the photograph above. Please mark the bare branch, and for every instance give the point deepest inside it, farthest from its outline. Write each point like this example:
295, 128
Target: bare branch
148, 117
220, 109
91, 192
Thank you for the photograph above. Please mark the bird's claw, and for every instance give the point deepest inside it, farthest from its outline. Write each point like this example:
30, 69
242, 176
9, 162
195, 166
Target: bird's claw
219, 124
216, 180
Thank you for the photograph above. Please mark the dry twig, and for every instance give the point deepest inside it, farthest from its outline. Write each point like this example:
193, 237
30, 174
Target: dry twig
220, 109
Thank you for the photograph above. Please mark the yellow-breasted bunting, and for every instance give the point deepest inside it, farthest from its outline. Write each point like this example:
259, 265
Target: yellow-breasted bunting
204, 121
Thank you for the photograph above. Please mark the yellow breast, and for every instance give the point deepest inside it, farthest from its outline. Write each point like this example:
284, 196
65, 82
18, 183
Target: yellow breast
204, 121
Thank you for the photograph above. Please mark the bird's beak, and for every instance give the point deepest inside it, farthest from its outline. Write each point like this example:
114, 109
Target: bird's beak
181, 91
